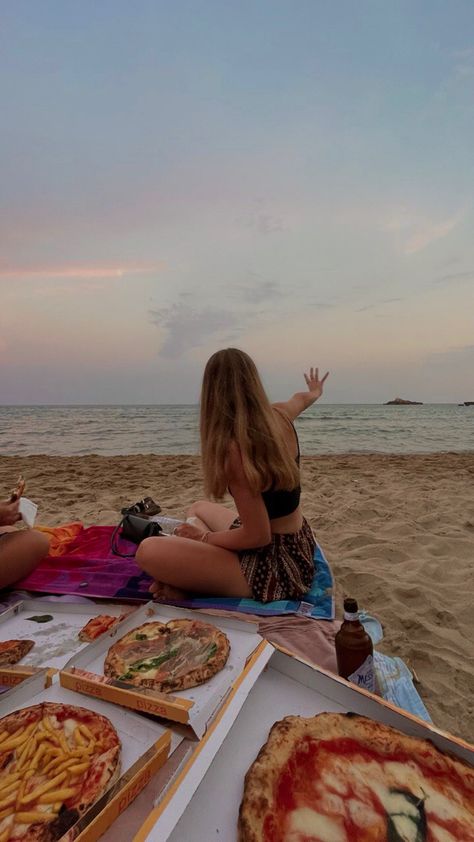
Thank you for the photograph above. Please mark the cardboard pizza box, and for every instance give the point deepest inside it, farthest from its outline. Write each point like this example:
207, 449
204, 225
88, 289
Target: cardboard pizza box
55, 640
187, 809
146, 745
193, 707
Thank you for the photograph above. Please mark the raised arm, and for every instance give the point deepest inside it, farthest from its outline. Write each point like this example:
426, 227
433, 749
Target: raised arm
302, 400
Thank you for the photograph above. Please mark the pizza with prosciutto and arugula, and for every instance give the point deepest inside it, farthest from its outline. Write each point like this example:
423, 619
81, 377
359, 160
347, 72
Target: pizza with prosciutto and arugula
344, 778
55, 762
168, 656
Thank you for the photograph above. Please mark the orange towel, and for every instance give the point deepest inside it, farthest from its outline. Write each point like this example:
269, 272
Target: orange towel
61, 536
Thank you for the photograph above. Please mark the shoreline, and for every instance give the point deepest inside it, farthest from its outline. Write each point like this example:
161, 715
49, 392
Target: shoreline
398, 530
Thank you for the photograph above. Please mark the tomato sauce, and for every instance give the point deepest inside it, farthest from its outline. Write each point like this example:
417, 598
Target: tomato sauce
295, 788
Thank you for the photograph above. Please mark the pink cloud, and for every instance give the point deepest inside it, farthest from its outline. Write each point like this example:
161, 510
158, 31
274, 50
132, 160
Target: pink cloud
79, 272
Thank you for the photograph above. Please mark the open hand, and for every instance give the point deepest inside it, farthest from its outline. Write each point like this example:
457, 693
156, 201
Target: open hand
314, 384
188, 530
9, 513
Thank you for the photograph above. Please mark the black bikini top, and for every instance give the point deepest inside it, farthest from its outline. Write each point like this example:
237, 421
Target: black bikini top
282, 503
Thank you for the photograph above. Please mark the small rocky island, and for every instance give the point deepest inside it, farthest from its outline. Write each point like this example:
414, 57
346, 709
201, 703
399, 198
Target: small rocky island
403, 402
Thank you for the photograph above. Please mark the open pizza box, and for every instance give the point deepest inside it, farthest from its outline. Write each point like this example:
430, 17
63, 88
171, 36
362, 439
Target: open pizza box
201, 801
146, 745
195, 706
56, 639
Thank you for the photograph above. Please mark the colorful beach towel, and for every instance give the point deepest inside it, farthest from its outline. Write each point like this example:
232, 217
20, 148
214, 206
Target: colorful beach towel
89, 568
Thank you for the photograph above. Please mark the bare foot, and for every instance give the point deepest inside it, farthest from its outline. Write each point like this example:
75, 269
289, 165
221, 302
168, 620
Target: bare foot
163, 592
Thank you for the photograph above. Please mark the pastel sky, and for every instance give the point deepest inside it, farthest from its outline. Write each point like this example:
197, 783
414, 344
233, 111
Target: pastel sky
294, 178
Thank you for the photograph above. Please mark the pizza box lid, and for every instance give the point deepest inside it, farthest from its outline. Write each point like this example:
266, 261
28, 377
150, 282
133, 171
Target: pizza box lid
55, 640
187, 810
146, 744
194, 706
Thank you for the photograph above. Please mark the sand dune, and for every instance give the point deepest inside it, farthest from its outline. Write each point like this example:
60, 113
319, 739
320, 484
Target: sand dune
398, 530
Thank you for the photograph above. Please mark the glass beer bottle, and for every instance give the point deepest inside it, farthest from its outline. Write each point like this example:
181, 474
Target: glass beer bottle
355, 650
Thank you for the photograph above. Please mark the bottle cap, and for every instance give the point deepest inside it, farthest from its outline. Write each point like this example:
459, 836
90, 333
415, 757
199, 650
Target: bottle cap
350, 605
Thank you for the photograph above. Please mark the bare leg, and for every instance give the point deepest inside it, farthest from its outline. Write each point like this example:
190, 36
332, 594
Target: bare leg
212, 516
179, 565
20, 552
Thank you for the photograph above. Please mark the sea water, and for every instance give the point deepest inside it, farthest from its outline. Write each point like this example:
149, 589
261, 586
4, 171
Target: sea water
324, 428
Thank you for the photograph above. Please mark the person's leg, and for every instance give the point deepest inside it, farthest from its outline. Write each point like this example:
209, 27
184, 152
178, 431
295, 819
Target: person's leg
20, 552
183, 565
212, 516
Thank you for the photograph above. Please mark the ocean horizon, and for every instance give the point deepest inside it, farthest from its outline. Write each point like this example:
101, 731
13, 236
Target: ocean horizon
119, 429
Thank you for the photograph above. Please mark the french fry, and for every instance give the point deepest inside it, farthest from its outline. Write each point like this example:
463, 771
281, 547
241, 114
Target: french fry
5, 813
78, 768
24, 753
56, 763
5, 834
15, 742
11, 736
8, 779
21, 793
65, 766
9, 801
44, 735
48, 725
63, 743
85, 730
40, 790
34, 816
12, 787
37, 757
59, 795
78, 737
3, 736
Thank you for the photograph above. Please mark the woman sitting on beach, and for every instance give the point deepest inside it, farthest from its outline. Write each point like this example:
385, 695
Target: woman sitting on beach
20, 551
250, 448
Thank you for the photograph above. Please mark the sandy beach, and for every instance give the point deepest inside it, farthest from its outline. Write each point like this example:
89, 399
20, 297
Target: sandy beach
398, 531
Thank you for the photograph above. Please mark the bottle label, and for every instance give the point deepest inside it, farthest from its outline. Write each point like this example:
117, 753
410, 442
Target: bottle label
364, 676
351, 617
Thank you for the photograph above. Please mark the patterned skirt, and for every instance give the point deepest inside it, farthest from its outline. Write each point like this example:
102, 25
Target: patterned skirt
283, 569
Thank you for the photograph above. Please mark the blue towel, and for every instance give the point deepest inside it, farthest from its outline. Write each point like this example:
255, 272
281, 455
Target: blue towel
317, 603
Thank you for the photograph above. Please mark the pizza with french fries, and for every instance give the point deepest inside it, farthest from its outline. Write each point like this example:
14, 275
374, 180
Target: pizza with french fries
12, 651
55, 762
168, 656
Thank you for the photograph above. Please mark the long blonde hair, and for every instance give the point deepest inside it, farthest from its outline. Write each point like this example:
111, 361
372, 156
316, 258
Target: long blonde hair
235, 408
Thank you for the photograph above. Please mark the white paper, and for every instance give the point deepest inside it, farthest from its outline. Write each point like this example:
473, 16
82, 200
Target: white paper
28, 511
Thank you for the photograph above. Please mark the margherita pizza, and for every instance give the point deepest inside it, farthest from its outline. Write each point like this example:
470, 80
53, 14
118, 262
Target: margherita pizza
55, 762
97, 626
344, 778
12, 651
168, 656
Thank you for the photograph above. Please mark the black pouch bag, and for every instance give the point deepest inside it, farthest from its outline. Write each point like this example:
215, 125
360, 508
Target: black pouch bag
134, 529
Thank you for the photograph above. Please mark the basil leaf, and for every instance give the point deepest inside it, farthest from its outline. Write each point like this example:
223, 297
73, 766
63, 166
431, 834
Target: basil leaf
41, 618
140, 637
418, 818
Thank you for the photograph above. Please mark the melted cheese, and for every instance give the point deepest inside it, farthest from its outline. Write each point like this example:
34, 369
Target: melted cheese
332, 781
445, 808
364, 816
69, 727
406, 828
306, 822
